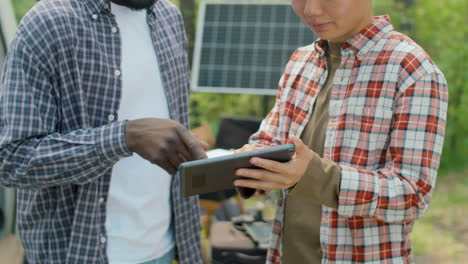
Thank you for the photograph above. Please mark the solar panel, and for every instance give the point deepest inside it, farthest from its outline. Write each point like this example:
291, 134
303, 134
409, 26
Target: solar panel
243, 47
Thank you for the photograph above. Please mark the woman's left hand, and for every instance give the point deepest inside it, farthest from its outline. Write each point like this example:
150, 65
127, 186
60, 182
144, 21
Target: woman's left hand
275, 175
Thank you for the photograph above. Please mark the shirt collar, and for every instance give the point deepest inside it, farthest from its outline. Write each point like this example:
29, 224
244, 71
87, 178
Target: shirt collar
96, 6
364, 41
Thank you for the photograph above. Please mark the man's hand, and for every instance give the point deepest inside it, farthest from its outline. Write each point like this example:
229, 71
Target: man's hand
276, 175
163, 142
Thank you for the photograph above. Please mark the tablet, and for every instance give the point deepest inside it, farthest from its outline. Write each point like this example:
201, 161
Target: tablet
217, 174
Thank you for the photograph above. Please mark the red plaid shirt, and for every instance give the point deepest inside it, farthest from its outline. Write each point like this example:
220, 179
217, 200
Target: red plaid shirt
386, 128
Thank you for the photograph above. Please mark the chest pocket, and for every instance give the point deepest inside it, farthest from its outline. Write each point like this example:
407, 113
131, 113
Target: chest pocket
362, 133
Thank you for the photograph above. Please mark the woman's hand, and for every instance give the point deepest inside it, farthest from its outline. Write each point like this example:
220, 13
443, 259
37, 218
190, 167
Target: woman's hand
246, 192
201, 142
276, 175
247, 147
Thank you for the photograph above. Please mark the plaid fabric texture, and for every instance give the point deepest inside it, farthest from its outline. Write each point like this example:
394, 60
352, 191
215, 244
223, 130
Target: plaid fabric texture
386, 128
60, 134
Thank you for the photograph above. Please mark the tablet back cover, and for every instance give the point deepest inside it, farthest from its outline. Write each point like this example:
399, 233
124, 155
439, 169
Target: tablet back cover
217, 174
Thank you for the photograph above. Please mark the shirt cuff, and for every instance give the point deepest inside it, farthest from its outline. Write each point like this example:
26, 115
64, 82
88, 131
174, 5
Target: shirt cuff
112, 145
320, 183
359, 192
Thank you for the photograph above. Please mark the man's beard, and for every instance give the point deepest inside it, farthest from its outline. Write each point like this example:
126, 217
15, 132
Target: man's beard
136, 4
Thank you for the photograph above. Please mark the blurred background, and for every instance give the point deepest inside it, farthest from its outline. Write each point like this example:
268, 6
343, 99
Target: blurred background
439, 26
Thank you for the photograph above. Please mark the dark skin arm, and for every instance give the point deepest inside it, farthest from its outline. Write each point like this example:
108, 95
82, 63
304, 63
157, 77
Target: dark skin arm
163, 142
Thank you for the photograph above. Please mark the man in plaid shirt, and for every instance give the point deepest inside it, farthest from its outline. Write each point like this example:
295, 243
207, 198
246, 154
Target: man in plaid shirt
87, 83
366, 108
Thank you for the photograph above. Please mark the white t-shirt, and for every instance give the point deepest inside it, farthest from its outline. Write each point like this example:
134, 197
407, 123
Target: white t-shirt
138, 218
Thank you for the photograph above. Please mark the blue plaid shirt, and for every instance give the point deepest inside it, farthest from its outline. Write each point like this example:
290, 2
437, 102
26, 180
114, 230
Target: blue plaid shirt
60, 133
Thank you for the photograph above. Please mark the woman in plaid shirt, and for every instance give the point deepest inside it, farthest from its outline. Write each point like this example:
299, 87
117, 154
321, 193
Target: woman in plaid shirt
366, 108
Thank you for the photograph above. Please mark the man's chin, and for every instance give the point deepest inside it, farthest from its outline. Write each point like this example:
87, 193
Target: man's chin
137, 4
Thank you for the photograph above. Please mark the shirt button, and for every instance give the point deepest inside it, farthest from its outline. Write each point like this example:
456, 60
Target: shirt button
101, 200
106, 6
114, 30
103, 240
306, 108
111, 117
117, 73
94, 16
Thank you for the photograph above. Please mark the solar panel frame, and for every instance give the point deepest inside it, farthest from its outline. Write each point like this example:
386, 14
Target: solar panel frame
251, 62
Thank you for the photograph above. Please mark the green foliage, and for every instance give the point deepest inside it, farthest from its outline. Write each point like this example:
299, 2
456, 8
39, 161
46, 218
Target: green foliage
445, 222
211, 107
21, 7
